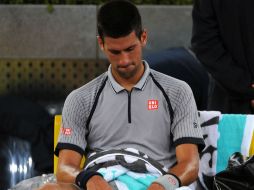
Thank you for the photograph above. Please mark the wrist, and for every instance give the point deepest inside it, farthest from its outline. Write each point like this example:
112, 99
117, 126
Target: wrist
94, 178
84, 176
93, 182
168, 181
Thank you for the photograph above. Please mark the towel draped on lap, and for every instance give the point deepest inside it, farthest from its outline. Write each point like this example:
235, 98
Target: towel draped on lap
129, 168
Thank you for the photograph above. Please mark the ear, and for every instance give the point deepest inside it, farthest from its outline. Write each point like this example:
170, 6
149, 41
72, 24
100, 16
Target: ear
143, 38
100, 42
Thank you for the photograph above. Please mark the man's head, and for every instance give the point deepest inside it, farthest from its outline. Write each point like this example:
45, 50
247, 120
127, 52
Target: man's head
121, 38
118, 18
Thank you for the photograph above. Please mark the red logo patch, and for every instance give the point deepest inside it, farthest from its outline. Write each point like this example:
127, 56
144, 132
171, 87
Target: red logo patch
172, 181
66, 131
152, 104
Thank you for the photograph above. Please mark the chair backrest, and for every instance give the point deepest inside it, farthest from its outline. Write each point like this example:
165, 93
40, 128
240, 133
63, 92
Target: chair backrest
57, 127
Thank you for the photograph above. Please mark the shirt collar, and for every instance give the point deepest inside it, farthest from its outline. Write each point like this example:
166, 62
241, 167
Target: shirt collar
140, 84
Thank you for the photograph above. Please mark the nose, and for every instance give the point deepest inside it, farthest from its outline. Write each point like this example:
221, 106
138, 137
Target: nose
124, 58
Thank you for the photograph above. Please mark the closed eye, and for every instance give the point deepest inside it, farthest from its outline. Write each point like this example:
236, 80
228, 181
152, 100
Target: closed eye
129, 49
115, 52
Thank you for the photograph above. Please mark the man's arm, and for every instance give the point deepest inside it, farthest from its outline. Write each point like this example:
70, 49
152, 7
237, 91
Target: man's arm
187, 165
69, 167
208, 46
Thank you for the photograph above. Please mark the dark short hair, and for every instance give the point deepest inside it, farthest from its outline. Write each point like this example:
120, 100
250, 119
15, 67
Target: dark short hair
118, 18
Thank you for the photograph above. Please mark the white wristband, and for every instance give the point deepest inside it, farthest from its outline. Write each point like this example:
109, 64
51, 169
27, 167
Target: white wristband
168, 181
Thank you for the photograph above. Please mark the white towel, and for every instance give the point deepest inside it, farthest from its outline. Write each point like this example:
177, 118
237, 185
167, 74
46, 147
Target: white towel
209, 121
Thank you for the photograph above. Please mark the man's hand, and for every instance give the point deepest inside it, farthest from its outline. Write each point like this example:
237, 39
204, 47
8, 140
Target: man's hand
97, 183
155, 186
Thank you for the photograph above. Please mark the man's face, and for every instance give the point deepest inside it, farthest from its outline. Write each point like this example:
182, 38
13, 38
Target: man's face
124, 54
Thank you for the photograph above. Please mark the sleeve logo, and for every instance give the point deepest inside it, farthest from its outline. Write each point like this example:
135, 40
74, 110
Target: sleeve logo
152, 104
172, 180
66, 131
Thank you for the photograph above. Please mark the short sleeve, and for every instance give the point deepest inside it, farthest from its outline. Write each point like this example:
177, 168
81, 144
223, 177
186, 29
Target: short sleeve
186, 126
73, 130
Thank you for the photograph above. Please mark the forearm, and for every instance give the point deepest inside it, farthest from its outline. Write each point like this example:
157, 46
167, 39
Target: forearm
67, 174
68, 166
187, 173
187, 166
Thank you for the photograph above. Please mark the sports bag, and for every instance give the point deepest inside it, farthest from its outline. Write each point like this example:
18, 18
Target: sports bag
236, 176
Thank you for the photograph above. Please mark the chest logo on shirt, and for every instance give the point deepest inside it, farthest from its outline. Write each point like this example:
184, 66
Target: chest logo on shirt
152, 104
66, 131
